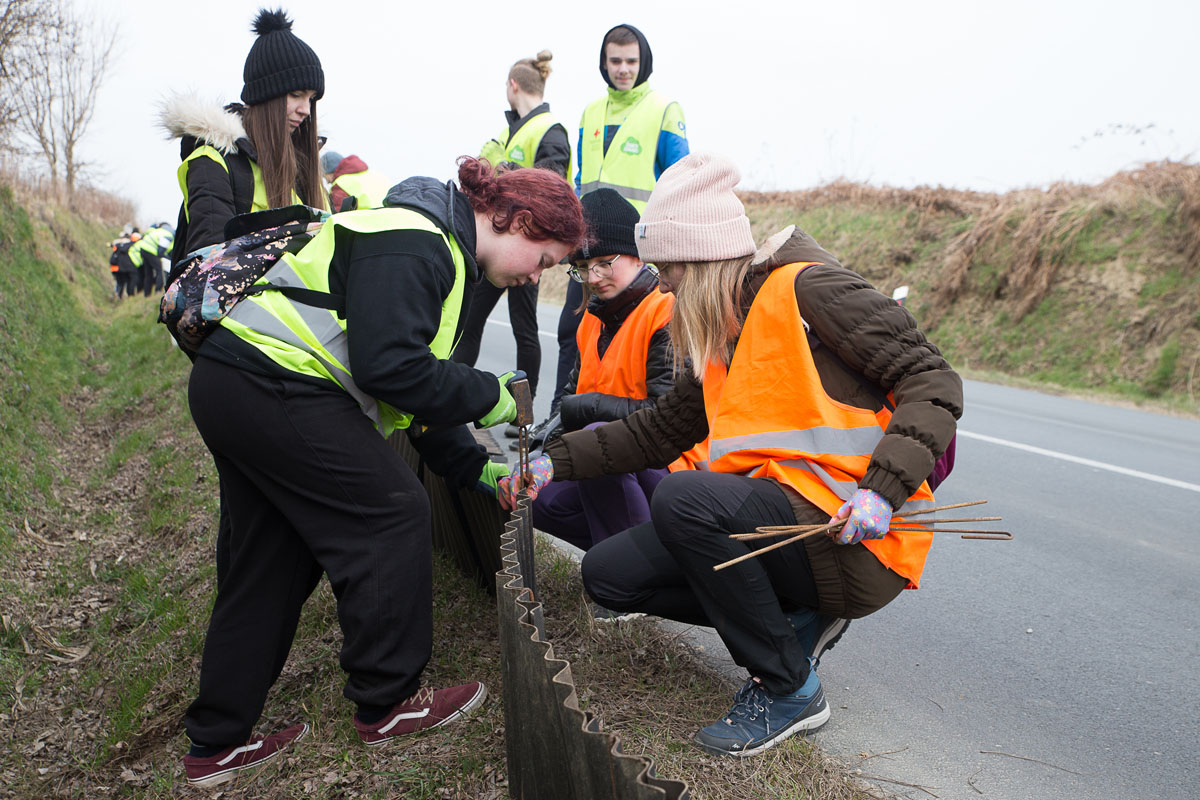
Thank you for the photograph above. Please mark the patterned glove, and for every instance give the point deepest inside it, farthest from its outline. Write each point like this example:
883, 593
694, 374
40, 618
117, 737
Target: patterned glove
491, 475
541, 472
505, 409
867, 515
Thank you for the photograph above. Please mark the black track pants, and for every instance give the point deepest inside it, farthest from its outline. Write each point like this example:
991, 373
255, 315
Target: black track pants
665, 568
568, 346
309, 487
522, 314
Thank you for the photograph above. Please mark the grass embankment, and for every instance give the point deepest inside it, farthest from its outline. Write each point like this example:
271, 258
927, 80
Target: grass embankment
107, 517
1085, 288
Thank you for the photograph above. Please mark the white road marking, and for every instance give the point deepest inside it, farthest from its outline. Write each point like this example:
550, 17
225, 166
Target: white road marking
551, 336
1087, 462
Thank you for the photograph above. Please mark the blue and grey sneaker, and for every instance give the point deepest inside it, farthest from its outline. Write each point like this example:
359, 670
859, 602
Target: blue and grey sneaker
817, 633
760, 720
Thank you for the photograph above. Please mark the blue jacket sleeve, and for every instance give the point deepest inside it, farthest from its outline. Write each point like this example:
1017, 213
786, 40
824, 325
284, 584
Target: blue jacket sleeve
671, 148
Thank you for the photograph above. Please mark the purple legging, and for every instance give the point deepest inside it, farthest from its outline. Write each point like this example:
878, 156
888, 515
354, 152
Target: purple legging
587, 512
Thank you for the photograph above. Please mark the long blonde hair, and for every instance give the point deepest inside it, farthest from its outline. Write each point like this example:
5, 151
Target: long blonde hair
708, 311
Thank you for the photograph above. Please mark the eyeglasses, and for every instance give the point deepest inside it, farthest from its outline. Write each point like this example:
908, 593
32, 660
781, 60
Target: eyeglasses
602, 269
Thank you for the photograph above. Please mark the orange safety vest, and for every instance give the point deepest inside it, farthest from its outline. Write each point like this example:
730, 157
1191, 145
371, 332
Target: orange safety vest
622, 370
712, 383
774, 420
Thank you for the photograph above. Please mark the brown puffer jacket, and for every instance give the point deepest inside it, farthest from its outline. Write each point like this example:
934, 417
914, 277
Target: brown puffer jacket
866, 331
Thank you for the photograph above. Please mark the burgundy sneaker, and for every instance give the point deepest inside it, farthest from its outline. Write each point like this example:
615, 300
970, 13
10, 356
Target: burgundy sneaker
428, 708
225, 764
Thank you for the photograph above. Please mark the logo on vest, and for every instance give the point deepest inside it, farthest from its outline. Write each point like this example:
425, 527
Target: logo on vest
631, 147
516, 153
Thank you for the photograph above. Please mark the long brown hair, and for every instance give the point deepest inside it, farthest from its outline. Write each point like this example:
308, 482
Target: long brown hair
289, 162
708, 313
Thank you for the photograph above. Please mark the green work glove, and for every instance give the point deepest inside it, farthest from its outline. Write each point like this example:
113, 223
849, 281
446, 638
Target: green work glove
505, 409
491, 475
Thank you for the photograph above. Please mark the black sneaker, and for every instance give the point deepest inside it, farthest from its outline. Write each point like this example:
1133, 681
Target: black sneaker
816, 632
602, 614
760, 720
512, 431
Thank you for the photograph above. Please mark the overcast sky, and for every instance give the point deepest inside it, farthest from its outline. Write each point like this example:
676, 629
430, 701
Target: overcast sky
961, 94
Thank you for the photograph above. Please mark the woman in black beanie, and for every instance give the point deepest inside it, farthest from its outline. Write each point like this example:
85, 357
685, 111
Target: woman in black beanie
624, 364
258, 154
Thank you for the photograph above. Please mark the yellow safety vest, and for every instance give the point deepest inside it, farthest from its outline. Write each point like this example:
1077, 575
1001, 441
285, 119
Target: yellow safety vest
312, 341
521, 147
628, 166
368, 186
259, 202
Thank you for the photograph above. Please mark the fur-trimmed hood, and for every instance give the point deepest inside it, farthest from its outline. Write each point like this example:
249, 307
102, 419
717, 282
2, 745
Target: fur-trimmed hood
187, 116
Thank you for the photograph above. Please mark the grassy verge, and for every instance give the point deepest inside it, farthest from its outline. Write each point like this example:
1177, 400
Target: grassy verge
106, 576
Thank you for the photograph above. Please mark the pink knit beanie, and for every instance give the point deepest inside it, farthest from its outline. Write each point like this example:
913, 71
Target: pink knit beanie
693, 214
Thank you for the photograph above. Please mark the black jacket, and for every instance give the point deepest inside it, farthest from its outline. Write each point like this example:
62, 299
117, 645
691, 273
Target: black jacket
554, 151
214, 194
580, 410
394, 283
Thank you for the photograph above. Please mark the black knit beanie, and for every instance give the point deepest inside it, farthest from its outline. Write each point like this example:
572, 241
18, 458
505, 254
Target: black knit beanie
610, 220
279, 62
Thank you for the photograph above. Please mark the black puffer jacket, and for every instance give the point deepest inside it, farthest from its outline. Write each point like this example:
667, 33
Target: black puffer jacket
866, 330
580, 410
215, 192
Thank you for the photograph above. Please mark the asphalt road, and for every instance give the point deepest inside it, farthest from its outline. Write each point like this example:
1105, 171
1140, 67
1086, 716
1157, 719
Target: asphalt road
1062, 664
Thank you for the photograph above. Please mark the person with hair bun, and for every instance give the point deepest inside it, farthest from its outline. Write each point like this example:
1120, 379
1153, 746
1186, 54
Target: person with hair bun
533, 137
292, 399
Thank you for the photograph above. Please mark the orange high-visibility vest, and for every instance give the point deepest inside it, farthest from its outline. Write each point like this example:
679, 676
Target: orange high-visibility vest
713, 383
775, 420
622, 370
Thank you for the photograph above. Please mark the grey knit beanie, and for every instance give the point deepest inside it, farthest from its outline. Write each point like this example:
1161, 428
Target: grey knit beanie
693, 214
330, 160
279, 62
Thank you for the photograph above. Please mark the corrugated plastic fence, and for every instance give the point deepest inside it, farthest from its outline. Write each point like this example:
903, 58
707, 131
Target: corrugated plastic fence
556, 751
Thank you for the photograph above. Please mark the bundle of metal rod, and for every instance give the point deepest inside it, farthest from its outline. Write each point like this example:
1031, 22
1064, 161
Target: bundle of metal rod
899, 525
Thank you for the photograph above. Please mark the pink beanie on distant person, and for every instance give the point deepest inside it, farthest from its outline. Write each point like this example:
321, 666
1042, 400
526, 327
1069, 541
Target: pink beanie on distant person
693, 214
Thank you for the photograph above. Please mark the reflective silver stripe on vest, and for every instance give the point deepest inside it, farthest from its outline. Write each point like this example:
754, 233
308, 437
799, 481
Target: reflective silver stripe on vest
629, 194
834, 441
320, 321
846, 489
843, 489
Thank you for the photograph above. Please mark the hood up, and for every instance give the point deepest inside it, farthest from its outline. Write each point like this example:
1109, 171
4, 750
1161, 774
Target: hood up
645, 57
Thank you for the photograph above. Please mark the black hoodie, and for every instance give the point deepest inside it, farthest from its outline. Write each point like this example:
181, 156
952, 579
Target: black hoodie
645, 57
394, 283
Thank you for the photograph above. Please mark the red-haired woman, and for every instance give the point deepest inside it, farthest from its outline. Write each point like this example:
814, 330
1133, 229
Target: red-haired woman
291, 399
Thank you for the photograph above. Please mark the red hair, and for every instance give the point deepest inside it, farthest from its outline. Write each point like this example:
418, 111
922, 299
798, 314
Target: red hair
541, 202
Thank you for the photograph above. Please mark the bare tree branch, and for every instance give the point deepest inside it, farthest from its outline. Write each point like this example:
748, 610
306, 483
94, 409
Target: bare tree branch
60, 76
23, 23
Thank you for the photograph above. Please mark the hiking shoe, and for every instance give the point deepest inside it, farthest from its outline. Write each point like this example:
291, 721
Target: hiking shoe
225, 765
602, 614
760, 720
428, 708
816, 632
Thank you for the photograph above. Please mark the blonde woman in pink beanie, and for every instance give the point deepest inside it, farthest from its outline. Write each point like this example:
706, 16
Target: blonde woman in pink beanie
815, 397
